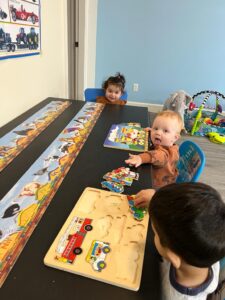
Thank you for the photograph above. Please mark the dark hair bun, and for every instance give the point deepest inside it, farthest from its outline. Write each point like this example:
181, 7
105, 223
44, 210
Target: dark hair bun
120, 78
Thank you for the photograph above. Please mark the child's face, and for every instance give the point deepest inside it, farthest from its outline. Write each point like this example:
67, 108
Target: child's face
113, 93
164, 131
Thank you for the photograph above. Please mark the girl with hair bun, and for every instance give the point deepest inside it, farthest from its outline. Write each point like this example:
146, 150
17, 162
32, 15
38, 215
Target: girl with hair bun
114, 88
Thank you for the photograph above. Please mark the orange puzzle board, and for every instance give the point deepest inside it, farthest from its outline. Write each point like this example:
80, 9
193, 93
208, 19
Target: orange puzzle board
101, 240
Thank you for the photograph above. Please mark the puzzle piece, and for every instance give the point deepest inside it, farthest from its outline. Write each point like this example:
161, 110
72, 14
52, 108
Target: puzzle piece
113, 186
122, 175
137, 212
97, 255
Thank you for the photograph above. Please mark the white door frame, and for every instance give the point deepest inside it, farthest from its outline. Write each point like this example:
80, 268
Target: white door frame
82, 60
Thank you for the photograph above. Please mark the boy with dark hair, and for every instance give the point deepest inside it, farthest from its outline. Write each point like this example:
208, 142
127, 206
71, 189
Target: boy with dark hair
188, 220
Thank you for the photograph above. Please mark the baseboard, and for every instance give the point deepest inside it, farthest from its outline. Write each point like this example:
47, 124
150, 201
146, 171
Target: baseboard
151, 106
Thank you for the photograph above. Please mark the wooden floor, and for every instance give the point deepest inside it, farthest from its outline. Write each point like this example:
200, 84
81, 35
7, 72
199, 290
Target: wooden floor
214, 171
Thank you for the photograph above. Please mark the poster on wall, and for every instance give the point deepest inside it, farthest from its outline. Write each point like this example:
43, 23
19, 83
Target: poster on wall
19, 28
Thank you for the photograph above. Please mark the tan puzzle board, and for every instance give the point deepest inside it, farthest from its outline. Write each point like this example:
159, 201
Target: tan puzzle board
113, 223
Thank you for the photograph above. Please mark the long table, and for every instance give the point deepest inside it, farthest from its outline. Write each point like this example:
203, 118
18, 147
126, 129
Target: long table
30, 278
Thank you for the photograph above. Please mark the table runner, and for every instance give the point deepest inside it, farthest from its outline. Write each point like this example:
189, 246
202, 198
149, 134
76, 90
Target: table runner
20, 137
23, 206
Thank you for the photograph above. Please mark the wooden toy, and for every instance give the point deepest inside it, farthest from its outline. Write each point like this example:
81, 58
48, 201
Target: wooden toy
138, 213
122, 175
113, 186
101, 240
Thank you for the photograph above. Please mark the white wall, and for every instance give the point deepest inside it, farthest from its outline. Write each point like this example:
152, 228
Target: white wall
26, 81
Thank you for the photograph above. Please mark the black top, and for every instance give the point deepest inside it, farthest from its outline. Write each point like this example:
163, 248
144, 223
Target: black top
30, 278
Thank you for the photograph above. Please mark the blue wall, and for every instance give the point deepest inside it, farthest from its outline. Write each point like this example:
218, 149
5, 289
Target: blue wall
162, 45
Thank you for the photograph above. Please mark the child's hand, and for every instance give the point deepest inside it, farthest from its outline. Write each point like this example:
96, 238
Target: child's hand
134, 160
143, 198
148, 129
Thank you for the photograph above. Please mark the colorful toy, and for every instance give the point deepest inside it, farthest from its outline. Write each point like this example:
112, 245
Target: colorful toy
200, 121
113, 251
113, 186
122, 176
97, 255
217, 138
69, 245
138, 213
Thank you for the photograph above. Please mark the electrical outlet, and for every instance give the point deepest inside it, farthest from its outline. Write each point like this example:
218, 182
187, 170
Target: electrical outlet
135, 87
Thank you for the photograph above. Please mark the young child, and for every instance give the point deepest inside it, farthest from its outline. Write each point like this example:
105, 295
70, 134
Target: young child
114, 88
164, 154
188, 220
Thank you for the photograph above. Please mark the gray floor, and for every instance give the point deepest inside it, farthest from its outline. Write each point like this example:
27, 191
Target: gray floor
214, 171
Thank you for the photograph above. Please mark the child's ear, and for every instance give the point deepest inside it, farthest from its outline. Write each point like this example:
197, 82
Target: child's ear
177, 136
174, 259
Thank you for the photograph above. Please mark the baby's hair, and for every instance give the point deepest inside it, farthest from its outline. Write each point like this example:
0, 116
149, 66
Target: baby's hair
118, 80
189, 219
172, 115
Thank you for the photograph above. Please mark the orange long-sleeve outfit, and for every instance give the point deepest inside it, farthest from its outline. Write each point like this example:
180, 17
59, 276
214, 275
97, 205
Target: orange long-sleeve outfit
103, 99
164, 164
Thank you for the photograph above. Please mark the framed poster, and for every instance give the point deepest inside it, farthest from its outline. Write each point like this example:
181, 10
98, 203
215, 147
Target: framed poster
19, 28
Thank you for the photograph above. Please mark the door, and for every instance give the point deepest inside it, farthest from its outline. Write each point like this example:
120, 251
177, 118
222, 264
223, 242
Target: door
82, 27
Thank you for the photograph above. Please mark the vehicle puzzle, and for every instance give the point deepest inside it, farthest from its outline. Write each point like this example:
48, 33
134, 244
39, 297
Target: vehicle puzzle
122, 175
108, 244
118, 178
23, 206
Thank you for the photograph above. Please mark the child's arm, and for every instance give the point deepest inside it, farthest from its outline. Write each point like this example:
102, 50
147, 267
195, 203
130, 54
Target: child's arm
143, 198
158, 157
134, 160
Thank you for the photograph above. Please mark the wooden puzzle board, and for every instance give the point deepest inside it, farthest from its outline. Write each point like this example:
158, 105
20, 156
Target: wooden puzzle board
113, 224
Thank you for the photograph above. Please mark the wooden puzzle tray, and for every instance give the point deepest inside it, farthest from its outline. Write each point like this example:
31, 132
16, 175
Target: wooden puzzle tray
101, 240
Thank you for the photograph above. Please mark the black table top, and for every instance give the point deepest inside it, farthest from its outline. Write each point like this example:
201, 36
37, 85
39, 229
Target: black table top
30, 278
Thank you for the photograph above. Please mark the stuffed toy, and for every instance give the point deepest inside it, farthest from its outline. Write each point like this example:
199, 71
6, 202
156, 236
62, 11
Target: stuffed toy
178, 102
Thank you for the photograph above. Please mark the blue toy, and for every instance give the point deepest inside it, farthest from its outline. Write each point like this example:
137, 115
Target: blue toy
113, 186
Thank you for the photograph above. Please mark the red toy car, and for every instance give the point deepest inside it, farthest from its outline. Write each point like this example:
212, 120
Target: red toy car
70, 243
23, 15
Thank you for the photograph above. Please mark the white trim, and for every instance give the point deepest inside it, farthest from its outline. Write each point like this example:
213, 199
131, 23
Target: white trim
87, 45
80, 50
65, 50
151, 106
